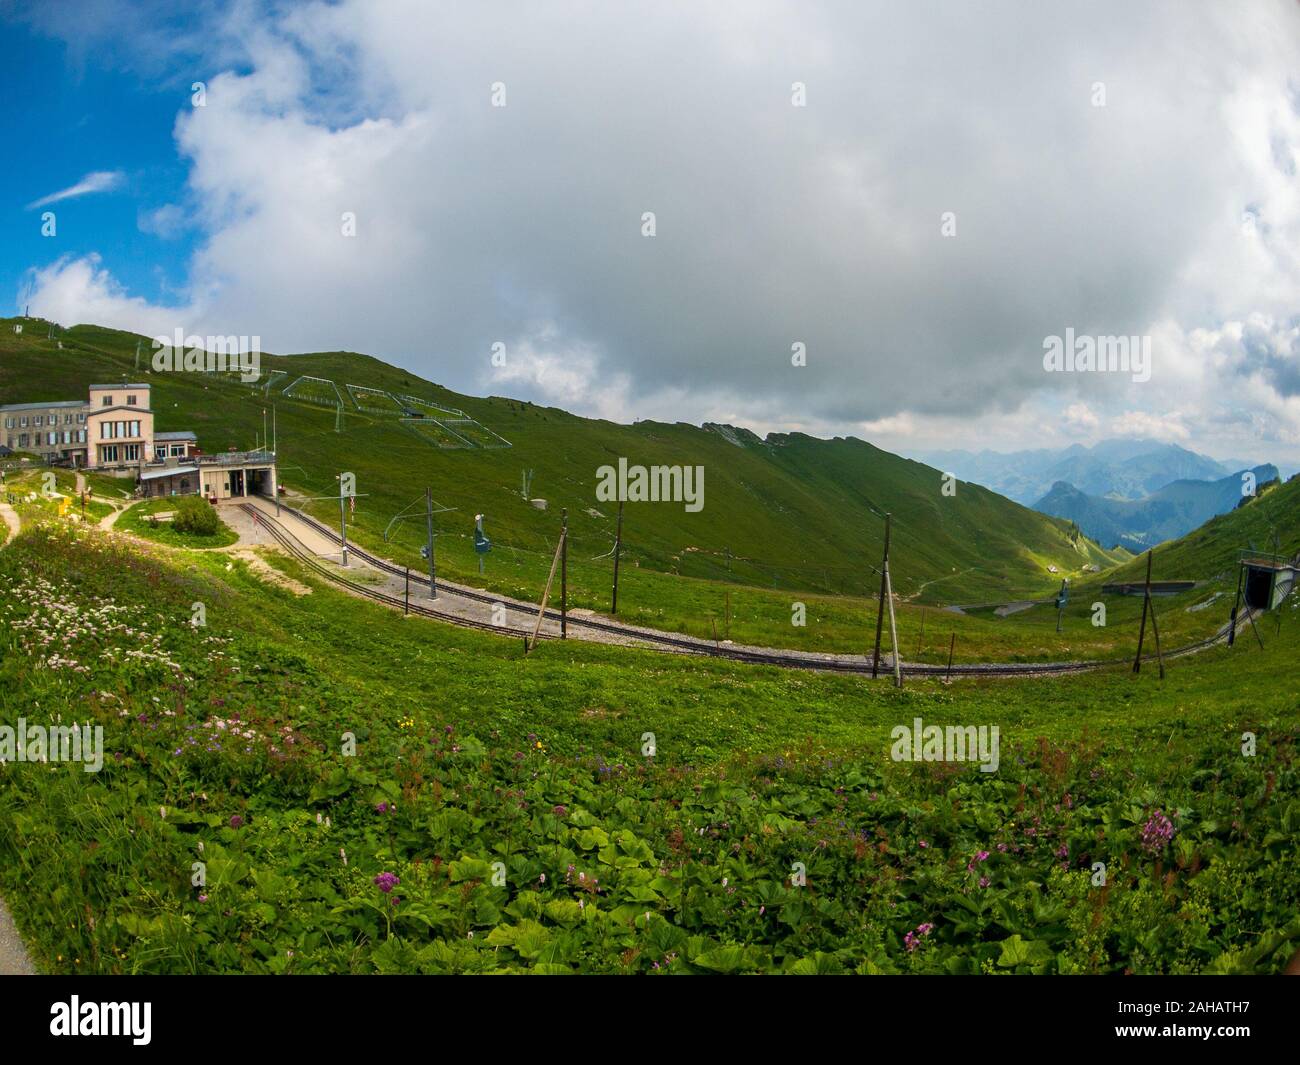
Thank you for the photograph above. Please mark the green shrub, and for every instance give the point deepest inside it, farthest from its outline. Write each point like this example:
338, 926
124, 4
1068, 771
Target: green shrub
196, 515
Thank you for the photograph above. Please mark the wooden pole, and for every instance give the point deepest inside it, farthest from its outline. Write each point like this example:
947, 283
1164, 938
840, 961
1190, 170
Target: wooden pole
541, 610
618, 544
726, 622
893, 632
1142, 631
714, 623
880, 607
952, 646
1236, 605
1155, 631
564, 574
1251, 615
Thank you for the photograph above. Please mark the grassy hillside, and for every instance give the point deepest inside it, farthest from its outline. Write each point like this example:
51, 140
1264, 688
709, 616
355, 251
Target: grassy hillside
224, 747
789, 513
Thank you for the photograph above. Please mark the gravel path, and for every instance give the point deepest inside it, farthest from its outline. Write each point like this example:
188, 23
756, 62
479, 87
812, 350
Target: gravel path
14, 959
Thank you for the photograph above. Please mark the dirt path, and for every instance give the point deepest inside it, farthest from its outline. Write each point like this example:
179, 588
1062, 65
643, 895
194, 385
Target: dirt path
10, 518
14, 959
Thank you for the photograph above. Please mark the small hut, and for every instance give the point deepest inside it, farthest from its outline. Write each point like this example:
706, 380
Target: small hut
1267, 579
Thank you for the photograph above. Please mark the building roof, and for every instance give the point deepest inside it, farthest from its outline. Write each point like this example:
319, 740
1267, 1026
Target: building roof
186, 435
167, 471
43, 406
121, 385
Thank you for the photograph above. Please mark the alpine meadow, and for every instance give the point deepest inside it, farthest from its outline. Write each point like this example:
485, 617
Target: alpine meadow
527, 492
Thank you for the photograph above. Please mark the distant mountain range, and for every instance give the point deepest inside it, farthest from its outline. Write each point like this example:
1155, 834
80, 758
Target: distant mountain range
1169, 512
1121, 469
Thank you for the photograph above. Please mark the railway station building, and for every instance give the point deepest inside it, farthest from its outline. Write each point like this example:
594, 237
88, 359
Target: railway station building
112, 431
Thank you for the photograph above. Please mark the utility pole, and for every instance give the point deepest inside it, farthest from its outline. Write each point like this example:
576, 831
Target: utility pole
1148, 605
275, 435
428, 527
618, 544
1232, 620
564, 574
880, 607
343, 521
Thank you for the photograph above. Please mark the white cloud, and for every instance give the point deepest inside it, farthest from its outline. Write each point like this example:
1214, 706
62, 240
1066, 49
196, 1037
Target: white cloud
168, 221
96, 181
1079, 418
776, 224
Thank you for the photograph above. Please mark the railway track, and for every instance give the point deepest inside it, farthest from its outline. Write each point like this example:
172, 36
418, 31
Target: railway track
667, 641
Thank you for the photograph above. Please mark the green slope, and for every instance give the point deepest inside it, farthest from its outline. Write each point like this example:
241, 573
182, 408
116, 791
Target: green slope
681, 862
789, 513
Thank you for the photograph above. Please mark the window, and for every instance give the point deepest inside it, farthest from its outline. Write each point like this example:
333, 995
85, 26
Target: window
130, 401
9, 423
107, 401
131, 452
67, 436
38, 421
53, 438
22, 439
67, 419
81, 418
23, 421
108, 453
178, 450
81, 436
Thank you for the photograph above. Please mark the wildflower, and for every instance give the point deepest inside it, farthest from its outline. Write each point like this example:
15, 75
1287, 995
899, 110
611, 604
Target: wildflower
203, 898
236, 820
343, 854
923, 844
542, 879
559, 811
912, 939
162, 812
1157, 832
387, 881
984, 881
381, 807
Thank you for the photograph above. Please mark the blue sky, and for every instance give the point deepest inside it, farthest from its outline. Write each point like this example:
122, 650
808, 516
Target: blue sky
1094, 187
64, 120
